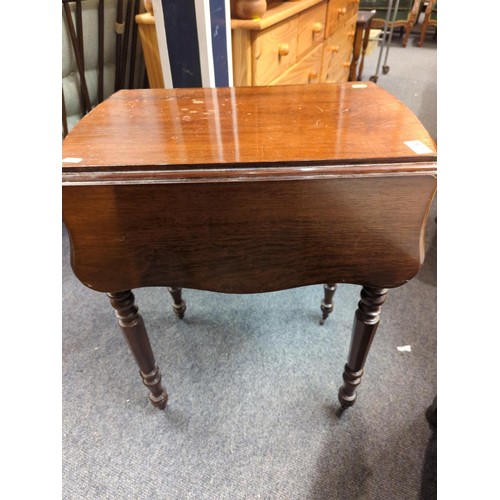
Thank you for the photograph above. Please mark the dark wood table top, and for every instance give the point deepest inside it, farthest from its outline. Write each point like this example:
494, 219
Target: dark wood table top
364, 16
342, 125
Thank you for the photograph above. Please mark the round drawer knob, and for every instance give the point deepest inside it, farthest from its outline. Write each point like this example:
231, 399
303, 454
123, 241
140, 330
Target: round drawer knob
317, 27
313, 74
284, 49
334, 48
342, 11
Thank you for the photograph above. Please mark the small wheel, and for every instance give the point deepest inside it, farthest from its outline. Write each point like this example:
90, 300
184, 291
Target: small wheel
374, 78
385, 70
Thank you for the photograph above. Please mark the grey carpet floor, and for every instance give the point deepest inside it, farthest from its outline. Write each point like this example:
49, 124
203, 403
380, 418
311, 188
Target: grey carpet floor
253, 382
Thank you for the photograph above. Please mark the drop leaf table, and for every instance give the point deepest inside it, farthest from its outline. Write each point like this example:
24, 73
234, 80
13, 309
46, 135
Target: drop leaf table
247, 190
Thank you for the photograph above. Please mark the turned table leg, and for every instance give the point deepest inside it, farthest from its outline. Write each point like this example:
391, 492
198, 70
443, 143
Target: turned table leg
327, 302
366, 320
179, 305
132, 326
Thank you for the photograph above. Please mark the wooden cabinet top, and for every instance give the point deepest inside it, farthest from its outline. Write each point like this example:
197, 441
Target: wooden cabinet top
349, 127
276, 12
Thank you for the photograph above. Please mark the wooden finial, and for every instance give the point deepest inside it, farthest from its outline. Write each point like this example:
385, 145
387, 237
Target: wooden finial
148, 5
248, 9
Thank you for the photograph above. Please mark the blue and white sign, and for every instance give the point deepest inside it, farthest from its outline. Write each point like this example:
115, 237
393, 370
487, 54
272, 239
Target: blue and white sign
194, 40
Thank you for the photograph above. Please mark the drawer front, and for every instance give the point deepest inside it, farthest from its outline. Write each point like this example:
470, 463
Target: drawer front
336, 62
308, 70
338, 12
344, 35
352, 7
311, 29
338, 72
274, 50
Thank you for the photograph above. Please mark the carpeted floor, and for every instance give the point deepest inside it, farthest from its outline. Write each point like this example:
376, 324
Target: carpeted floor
253, 382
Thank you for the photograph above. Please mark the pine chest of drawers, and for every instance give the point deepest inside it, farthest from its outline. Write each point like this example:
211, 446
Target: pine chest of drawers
294, 42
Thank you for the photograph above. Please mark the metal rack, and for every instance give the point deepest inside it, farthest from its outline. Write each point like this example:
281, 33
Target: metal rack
386, 42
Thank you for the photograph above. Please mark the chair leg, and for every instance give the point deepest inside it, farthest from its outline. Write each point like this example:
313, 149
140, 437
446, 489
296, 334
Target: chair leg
408, 29
423, 30
132, 326
422, 36
366, 320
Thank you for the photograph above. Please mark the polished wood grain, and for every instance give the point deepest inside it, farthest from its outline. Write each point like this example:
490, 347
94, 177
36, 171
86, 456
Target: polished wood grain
247, 237
248, 190
183, 129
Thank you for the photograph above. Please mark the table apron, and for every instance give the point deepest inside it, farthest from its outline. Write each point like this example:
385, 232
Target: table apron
248, 237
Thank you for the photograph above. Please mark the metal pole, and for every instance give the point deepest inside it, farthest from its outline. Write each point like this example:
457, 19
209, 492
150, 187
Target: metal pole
374, 78
385, 68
